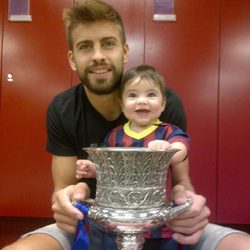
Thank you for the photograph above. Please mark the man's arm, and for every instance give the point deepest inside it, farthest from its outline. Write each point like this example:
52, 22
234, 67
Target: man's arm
180, 175
66, 190
189, 226
63, 171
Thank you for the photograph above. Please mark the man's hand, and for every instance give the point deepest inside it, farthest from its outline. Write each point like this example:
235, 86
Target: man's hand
65, 214
189, 226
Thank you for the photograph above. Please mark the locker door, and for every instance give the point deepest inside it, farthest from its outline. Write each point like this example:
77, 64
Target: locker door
1, 40
34, 58
186, 53
234, 110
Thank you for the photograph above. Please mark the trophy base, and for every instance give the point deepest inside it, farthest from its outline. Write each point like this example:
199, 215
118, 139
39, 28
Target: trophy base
130, 241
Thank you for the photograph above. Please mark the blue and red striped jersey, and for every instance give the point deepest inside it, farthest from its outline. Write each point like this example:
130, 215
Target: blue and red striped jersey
123, 136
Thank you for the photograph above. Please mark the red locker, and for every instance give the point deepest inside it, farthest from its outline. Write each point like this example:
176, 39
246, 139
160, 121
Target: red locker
35, 54
234, 114
186, 52
207, 64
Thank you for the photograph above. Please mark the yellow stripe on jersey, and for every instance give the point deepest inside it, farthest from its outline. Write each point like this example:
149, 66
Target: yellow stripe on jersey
141, 134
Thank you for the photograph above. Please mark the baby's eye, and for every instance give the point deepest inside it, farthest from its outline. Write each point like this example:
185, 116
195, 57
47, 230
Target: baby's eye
131, 95
152, 94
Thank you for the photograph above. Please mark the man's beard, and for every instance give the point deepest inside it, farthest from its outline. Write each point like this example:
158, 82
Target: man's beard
101, 86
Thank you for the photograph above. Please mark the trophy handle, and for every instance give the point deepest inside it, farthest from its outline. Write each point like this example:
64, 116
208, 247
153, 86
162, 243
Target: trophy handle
173, 210
89, 202
167, 213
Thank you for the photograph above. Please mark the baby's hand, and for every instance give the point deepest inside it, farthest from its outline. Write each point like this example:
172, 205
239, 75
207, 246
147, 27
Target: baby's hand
159, 145
85, 169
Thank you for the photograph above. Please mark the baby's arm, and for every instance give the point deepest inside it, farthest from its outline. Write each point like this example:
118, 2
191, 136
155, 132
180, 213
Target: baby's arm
85, 169
164, 145
179, 162
181, 155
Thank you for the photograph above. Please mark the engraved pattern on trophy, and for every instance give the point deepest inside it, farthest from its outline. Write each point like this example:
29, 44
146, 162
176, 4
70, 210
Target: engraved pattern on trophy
131, 192
131, 180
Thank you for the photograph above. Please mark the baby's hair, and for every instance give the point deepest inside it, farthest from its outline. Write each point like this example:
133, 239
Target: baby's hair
143, 72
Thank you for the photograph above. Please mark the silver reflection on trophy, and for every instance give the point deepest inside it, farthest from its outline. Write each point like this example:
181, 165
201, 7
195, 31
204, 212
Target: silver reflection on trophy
131, 192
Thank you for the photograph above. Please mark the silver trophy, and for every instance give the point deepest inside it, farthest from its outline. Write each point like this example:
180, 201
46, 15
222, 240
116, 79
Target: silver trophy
131, 192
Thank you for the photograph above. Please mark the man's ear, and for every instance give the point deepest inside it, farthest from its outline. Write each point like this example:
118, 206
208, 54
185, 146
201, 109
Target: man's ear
71, 60
125, 53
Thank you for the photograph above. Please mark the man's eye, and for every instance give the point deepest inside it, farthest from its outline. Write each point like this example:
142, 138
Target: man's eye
109, 44
85, 47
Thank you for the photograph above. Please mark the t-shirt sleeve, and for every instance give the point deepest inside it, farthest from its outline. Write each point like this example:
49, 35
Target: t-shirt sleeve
57, 141
174, 112
177, 135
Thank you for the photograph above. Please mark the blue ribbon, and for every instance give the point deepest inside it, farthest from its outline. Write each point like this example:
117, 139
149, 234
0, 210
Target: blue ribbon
81, 240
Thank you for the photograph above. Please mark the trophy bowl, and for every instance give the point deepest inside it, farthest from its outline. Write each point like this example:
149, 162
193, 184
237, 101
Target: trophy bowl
131, 192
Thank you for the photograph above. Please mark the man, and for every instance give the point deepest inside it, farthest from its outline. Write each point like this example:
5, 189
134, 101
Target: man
82, 116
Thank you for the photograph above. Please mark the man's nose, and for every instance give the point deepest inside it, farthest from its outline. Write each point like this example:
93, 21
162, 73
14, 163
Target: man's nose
98, 54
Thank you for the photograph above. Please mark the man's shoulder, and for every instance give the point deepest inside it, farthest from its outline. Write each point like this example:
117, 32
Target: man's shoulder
67, 98
172, 97
170, 93
174, 112
68, 94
